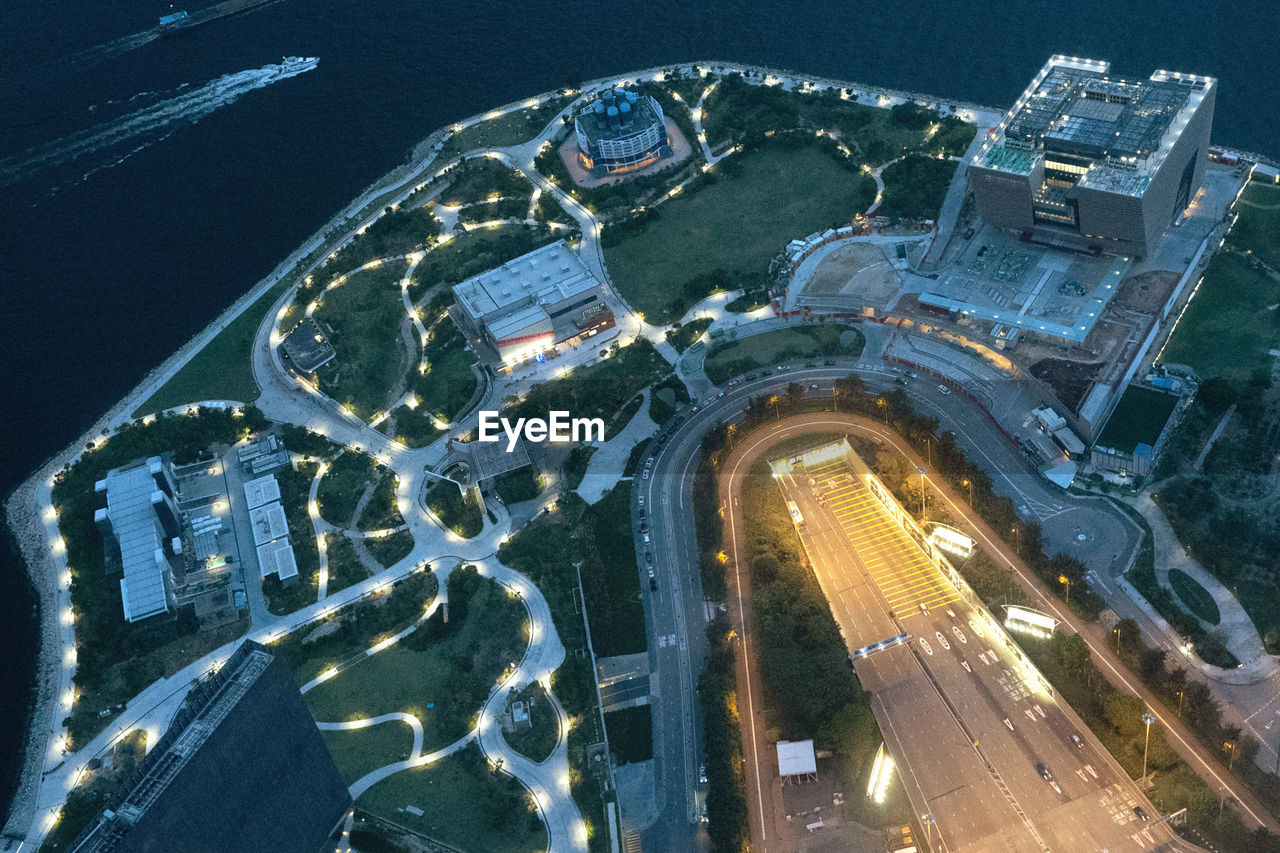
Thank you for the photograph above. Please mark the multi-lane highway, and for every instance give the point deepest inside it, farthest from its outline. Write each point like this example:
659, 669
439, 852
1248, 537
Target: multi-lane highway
676, 612
984, 748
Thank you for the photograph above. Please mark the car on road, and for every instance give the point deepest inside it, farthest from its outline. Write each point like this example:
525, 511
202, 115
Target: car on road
702, 816
924, 608
1078, 741
653, 579
644, 528
642, 500
829, 363
1141, 814
732, 382
899, 380
911, 374
646, 539
782, 367
1044, 772
648, 556
721, 394
943, 389
702, 774
643, 514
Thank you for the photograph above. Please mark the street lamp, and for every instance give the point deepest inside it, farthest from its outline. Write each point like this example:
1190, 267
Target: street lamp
1147, 718
881, 403
1230, 746
1066, 581
921, 470
969, 483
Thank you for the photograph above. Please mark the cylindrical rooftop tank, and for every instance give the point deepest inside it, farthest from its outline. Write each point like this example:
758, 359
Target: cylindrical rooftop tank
599, 107
631, 97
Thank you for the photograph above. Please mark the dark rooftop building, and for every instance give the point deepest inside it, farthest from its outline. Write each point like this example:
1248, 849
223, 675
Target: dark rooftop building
243, 768
307, 348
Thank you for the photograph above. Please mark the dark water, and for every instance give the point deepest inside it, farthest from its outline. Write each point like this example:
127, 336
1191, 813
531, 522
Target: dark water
105, 275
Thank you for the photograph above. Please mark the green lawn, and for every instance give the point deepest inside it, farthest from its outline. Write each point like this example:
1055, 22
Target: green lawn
1138, 417
766, 349
599, 390
915, 186
389, 550
736, 224
1194, 596
365, 315
511, 128
342, 485
448, 383
1259, 230
610, 578
413, 427
463, 802
453, 673
537, 741
459, 513
222, 370
1227, 330
345, 568
359, 751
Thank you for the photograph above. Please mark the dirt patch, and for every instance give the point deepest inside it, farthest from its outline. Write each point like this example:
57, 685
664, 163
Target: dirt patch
855, 269
1145, 292
1070, 380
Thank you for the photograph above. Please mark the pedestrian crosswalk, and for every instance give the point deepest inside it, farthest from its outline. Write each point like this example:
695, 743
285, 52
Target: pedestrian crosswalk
904, 575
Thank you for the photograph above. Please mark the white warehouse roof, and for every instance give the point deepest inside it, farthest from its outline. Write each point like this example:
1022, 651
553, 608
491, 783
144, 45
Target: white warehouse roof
268, 523
796, 758
136, 527
544, 276
262, 491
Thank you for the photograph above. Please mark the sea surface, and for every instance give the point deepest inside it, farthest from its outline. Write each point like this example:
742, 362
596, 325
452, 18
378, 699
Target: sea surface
145, 182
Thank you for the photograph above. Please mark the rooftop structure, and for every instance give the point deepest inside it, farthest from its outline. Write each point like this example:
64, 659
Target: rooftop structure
1111, 159
277, 558
268, 522
261, 491
242, 767
621, 131
307, 348
533, 302
141, 518
796, 758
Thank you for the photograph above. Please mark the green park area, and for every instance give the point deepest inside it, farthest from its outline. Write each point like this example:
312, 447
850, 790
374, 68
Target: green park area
539, 737
361, 751
729, 358
345, 566
738, 112
599, 390
342, 492
370, 332
462, 801
1231, 324
512, 128
223, 369
915, 186
457, 511
441, 673
1194, 596
729, 229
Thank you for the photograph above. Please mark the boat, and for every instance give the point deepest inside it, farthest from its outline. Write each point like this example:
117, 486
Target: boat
173, 19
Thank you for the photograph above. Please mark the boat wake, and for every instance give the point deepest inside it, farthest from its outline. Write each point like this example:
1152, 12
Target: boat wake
150, 124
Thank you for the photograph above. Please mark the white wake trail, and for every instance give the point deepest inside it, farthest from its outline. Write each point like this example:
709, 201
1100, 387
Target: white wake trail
188, 107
